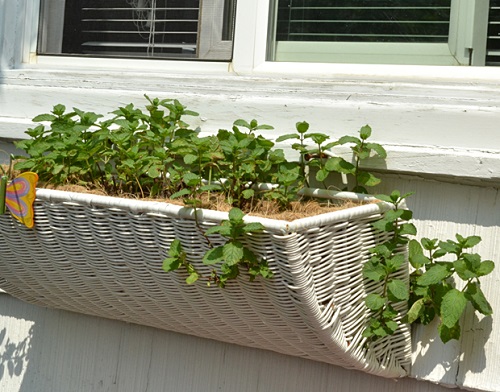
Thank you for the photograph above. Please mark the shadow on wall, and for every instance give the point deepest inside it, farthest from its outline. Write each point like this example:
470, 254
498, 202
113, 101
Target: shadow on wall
14, 356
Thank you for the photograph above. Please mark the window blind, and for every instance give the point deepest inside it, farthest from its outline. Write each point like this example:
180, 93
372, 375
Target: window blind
363, 20
156, 28
493, 41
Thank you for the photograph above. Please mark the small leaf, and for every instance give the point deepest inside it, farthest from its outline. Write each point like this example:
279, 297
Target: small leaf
472, 241
462, 270
282, 138
408, 229
398, 290
379, 150
190, 159
429, 244
486, 267
374, 301
175, 249
248, 193
302, 127
193, 277
236, 215
322, 175
395, 262
365, 132
253, 227
452, 307
171, 264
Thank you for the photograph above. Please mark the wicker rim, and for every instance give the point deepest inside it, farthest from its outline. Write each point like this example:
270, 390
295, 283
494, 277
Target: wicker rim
173, 210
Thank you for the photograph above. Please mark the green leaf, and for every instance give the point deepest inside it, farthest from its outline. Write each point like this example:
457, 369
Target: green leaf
182, 192
222, 230
44, 117
415, 311
476, 296
242, 123
375, 272
429, 244
302, 127
416, 254
385, 198
213, 256
448, 333
398, 290
452, 307
248, 193
175, 249
374, 301
236, 215
486, 267
365, 132
189, 159
435, 274
392, 326
340, 165
472, 241
253, 227
462, 270
383, 225
349, 139
232, 252
193, 277
379, 150
408, 229
322, 175
282, 138
367, 178
171, 264
395, 262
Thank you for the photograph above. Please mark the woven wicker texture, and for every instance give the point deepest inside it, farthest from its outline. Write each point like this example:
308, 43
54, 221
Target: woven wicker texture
103, 256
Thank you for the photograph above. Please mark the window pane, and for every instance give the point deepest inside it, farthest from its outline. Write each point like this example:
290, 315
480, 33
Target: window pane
361, 31
137, 28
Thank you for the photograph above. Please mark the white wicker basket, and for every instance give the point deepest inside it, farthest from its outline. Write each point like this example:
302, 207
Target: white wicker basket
103, 256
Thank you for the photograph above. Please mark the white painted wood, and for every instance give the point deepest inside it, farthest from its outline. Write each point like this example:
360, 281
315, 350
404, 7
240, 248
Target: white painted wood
55, 351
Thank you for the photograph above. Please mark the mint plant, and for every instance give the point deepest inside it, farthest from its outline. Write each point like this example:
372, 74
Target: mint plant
230, 257
432, 292
387, 258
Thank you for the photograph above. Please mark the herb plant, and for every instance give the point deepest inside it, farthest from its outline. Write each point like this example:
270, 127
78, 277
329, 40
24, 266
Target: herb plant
432, 291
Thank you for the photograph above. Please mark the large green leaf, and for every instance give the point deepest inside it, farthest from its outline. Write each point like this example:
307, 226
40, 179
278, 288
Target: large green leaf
415, 311
475, 295
232, 252
374, 301
398, 290
435, 274
452, 307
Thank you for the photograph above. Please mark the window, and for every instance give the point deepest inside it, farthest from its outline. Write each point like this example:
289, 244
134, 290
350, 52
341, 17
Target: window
187, 29
436, 32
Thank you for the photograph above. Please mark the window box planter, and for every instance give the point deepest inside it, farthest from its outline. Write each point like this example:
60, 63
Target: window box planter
103, 256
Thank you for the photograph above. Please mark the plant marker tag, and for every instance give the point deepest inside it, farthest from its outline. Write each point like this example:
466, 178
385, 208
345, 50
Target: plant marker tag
19, 197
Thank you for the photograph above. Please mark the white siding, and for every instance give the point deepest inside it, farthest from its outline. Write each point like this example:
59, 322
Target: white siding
53, 351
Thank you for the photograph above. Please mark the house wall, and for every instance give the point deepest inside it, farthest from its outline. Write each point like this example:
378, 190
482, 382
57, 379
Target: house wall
46, 350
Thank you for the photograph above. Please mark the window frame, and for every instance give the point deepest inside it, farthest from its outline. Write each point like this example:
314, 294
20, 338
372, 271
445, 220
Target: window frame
250, 53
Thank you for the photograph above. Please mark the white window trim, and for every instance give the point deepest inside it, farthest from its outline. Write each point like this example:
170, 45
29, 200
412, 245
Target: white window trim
249, 53
419, 91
